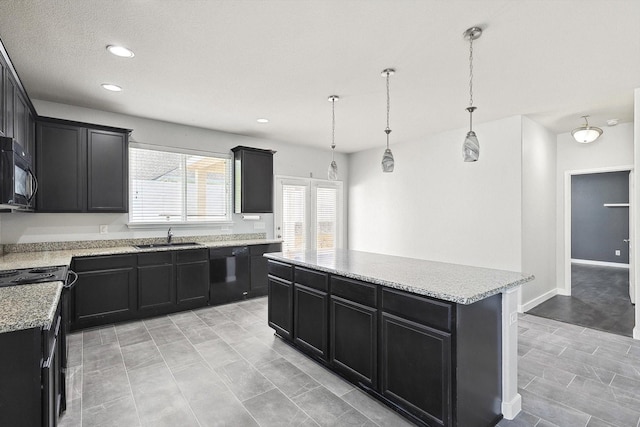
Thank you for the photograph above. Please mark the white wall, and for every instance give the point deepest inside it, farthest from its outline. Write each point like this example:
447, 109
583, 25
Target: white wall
636, 253
613, 149
538, 212
435, 206
292, 160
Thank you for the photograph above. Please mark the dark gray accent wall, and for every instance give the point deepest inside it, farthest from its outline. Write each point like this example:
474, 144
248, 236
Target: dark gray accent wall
598, 231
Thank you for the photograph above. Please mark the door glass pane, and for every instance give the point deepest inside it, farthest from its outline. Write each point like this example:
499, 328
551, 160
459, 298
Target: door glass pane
294, 225
326, 217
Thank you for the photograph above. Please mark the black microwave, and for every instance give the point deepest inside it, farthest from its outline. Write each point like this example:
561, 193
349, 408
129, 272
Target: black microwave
18, 184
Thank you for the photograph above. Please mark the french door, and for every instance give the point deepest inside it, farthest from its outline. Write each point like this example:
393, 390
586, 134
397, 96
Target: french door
309, 214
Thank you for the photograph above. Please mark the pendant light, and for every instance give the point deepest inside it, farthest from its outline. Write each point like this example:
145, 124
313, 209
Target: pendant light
586, 134
333, 167
471, 146
387, 157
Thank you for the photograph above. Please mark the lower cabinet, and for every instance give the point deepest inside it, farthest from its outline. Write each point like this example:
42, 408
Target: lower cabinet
106, 290
435, 362
416, 368
32, 388
192, 278
156, 283
259, 283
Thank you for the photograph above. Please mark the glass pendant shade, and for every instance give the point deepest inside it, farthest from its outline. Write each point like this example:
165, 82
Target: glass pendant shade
333, 171
387, 161
471, 147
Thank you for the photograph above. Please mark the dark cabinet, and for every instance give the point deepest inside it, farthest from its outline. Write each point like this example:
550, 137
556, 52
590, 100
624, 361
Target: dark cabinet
354, 330
192, 278
106, 290
107, 185
9, 104
21, 121
156, 284
259, 281
32, 389
280, 301
253, 180
416, 368
79, 168
311, 311
60, 167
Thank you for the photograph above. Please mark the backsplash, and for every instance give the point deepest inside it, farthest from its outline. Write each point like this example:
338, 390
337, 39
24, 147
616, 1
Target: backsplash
113, 243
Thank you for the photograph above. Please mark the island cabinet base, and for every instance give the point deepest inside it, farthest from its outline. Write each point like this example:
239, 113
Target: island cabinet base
436, 362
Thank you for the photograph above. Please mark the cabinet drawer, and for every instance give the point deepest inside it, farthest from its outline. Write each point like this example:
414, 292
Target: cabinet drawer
312, 279
154, 258
103, 262
191, 255
263, 249
353, 290
281, 270
423, 310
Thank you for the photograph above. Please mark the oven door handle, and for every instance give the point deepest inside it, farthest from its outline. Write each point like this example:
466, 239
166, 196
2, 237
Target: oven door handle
72, 283
34, 184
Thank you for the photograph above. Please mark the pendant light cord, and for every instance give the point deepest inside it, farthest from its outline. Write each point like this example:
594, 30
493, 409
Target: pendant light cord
471, 72
388, 130
333, 127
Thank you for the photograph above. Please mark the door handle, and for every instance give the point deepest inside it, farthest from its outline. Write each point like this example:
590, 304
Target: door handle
626, 240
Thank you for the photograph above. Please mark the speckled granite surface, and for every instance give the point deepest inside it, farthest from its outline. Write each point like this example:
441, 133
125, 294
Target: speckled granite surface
28, 306
63, 257
461, 284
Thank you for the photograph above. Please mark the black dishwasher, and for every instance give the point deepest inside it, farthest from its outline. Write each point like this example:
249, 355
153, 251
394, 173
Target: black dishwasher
228, 274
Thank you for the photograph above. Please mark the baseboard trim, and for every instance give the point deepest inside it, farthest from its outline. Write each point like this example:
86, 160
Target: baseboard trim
636, 333
512, 408
599, 263
537, 300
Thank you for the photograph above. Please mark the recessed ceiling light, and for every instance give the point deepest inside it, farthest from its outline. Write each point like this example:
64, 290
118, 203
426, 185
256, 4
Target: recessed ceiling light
612, 122
263, 120
111, 87
120, 51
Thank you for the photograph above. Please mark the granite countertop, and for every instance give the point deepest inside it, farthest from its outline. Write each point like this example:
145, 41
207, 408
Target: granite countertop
14, 260
28, 306
457, 283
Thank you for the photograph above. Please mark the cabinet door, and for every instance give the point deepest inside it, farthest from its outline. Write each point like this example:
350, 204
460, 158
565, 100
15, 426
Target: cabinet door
354, 340
3, 87
193, 283
415, 368
60, 168
156, 289
310, 325
107, 171
253, 180
104, 296
280, 306
21, 121
9, 104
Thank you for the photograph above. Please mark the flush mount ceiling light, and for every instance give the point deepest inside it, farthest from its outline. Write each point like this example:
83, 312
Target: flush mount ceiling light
333, 167
387, 157
586, 134
120, 51
111, 87
471, 146
262, 120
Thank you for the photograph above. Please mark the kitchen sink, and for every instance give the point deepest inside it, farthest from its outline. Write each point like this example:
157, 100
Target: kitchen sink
166, 245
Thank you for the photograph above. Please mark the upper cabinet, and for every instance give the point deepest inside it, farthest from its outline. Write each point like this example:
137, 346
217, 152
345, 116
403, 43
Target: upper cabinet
81, 167
253, 180
17, 114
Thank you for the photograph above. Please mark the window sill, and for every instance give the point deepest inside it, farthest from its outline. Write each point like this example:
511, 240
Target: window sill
163, 225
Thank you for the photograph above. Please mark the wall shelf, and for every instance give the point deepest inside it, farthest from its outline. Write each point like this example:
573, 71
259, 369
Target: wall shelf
616, 205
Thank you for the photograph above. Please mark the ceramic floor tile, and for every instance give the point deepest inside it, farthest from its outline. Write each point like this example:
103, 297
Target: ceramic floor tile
273, 408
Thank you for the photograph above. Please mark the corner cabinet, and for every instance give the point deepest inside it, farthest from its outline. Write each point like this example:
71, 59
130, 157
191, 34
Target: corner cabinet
252, 180
436, 362
81, 167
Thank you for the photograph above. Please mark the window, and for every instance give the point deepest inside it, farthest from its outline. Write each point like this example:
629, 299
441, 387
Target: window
177, 187
308, 214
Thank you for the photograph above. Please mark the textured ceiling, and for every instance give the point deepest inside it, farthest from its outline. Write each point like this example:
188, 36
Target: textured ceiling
223, 64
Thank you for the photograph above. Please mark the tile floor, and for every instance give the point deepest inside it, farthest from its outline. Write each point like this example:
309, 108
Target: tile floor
217, 366
222, 366
599, 300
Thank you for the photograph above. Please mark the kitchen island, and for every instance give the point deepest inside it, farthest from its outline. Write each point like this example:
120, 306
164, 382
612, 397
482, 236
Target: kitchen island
435, 341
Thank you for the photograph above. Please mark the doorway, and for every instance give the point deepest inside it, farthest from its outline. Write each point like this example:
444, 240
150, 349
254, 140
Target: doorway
599, 280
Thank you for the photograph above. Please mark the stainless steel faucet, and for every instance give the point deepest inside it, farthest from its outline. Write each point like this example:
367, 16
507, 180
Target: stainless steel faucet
169, 236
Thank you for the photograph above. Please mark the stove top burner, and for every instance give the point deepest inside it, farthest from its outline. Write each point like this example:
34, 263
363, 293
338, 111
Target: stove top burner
44, 270
9, 273
33, 278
